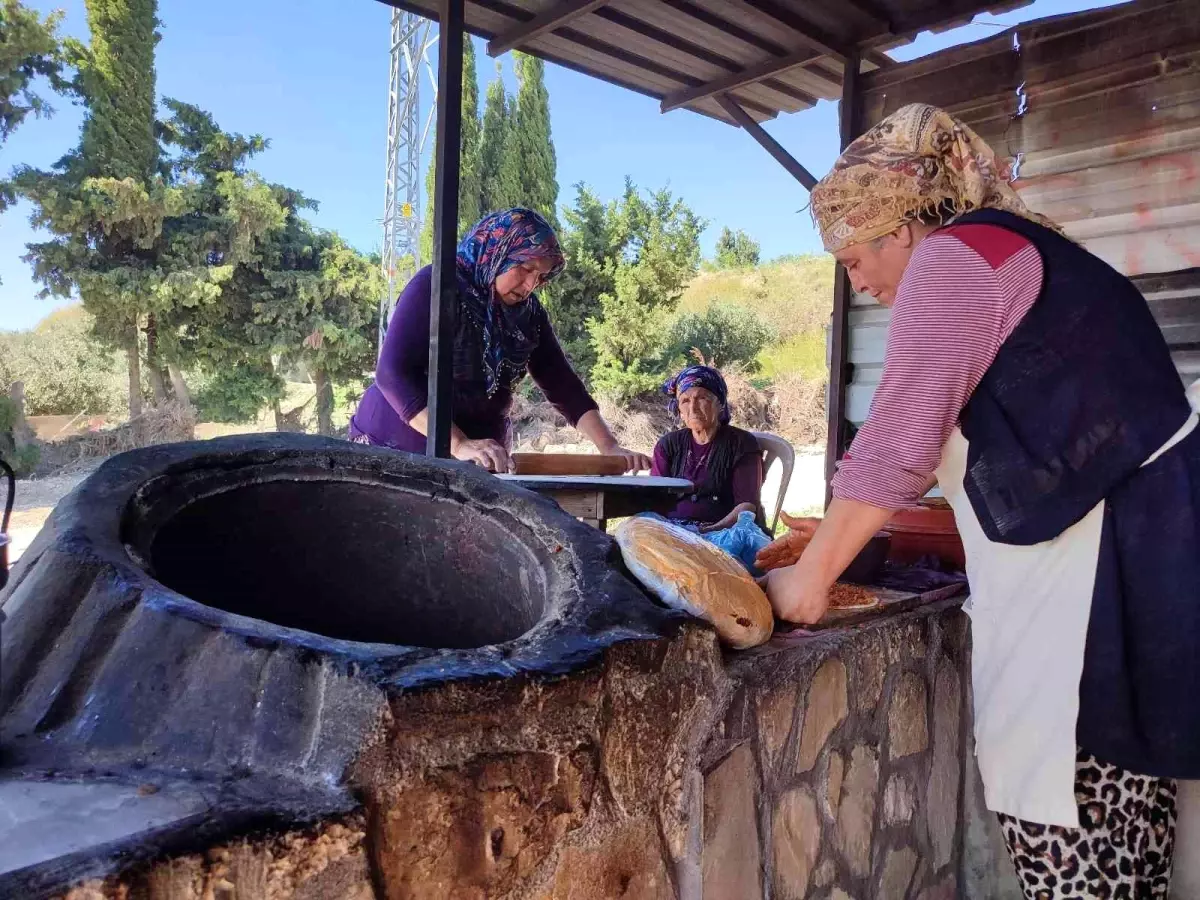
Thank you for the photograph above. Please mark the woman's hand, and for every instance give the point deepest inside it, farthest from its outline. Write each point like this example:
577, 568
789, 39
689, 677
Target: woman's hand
596, 431
786, 549
485, 453
797, 594
634, 462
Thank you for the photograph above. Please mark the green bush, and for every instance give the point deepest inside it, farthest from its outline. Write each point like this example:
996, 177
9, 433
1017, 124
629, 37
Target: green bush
724, 334
65, 371
234, 395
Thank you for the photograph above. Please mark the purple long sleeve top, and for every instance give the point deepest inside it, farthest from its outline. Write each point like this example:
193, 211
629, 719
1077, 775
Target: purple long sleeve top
401, 388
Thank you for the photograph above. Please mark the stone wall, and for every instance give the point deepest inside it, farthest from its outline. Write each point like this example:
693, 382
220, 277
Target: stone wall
839, 770
827, 767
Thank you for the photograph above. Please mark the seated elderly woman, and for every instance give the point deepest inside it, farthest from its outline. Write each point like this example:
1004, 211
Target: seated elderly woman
723, 462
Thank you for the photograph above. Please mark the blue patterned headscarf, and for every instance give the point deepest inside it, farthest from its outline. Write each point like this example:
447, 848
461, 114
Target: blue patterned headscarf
499, 241
698, 376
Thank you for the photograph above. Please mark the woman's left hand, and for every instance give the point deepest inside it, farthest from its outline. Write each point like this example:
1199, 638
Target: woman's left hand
634, 462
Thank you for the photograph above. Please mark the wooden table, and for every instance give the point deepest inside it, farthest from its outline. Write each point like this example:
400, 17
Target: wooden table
597, 498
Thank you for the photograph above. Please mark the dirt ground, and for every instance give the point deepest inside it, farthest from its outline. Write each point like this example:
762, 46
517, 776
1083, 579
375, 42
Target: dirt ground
35, 499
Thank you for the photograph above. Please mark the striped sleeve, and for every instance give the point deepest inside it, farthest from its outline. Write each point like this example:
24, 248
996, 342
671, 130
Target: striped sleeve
964, 291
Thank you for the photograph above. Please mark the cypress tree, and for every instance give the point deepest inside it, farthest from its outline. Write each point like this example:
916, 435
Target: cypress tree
500, 176
532, 144
469, 180
118, 139
118, 135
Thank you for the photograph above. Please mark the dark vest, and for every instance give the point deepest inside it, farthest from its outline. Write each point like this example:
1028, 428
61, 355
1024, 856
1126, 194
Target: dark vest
1079, 396
730, 447
1081, 393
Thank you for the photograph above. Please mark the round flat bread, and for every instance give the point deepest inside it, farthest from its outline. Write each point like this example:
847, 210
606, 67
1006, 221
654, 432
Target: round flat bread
850, 596
686, 572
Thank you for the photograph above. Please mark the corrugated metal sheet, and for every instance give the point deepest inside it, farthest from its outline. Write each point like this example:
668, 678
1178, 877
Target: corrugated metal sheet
658, 47
1102, 109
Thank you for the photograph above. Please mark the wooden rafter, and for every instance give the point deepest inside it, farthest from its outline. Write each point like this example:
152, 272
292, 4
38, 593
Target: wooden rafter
545, 21
768, 143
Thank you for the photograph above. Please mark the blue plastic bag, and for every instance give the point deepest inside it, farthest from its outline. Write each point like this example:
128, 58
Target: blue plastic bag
742, 540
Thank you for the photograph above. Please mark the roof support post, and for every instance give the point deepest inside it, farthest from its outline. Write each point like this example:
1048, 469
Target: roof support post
850, 126
768, 143
444, 293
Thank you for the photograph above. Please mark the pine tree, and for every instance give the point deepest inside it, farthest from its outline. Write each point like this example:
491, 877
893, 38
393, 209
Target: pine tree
532, 144
469, 176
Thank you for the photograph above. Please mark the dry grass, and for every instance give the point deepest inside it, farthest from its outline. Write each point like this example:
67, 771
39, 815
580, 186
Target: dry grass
158, 425
798, 410
791, 296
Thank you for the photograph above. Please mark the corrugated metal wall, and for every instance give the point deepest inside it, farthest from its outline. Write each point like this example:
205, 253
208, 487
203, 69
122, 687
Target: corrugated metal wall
1102, 109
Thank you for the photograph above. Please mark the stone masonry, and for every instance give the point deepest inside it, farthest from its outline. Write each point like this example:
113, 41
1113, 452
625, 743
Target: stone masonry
827, 766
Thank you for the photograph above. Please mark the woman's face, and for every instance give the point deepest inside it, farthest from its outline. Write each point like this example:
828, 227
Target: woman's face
515, 284
699, 409
876, 267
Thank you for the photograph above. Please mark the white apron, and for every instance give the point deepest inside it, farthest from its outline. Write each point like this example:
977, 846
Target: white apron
1029, 609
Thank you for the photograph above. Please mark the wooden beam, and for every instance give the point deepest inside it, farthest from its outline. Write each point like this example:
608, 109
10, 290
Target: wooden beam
443, 299
700, 14
871, 11
850, 117
808, 32
768, 143
543, 22
878, 59
735, 80
932, 17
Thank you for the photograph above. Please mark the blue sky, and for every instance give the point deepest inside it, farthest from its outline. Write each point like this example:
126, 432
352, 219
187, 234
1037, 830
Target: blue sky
311, 75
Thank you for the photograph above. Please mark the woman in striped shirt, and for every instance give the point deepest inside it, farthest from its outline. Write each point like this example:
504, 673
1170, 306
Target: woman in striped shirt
1030, 381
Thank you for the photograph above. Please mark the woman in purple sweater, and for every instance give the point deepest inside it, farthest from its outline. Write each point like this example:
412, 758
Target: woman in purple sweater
501, 333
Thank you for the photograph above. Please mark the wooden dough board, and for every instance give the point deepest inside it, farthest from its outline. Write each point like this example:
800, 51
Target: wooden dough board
888, 600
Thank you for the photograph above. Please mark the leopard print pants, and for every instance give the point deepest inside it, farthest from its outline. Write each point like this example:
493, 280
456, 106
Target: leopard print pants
1122, 851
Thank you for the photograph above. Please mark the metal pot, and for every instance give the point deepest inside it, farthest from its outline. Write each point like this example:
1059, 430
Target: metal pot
5, 540
865, 568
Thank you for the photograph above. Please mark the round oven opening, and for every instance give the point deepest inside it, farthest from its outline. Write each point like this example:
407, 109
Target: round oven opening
355, 561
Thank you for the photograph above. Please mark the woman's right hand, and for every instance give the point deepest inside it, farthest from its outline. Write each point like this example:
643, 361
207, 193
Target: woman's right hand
485, 453
787, 549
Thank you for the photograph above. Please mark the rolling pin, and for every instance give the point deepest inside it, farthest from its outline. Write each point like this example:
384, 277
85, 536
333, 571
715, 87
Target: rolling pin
567, 464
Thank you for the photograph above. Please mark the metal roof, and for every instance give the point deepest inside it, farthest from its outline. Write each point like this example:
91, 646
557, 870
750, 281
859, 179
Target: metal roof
767, 56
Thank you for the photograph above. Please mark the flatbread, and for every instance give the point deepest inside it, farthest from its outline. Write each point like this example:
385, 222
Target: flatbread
686, 572
851, 596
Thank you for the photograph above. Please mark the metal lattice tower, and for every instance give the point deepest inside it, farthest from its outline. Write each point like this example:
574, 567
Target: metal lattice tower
412, 39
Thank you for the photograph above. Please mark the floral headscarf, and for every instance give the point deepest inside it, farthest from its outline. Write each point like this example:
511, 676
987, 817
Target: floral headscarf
698, 376
920, 159
499, 241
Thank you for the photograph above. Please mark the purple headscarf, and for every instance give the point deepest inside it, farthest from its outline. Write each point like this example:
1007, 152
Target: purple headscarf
698, 376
